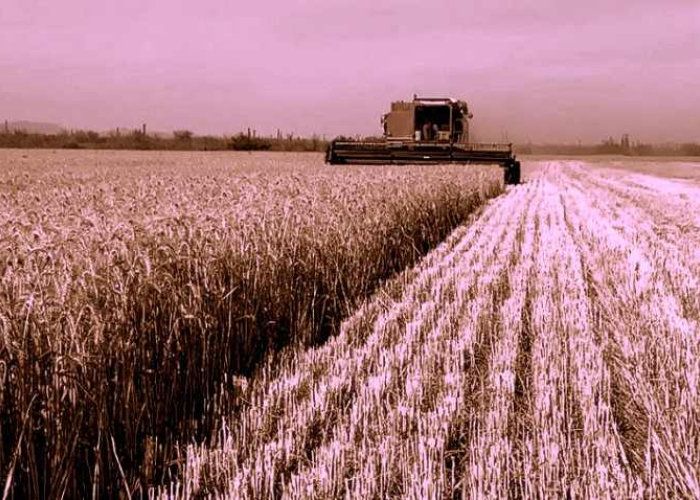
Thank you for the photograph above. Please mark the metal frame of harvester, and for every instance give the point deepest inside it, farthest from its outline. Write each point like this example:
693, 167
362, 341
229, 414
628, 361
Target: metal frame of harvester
425, 130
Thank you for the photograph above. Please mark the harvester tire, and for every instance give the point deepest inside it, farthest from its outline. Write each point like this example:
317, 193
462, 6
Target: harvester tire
511, 174
515, 174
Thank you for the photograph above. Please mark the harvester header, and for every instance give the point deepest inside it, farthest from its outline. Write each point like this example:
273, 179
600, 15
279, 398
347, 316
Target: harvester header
425, 130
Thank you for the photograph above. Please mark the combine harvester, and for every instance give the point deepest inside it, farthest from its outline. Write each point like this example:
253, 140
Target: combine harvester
425, 130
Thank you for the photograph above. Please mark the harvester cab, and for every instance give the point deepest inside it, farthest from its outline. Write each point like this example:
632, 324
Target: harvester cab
425, 130
428, 119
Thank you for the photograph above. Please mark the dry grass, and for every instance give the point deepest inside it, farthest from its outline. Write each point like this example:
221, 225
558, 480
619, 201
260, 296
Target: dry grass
137, 287
550, 348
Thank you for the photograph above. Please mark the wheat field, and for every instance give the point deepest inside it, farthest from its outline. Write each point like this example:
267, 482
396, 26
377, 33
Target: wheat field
549, 348
137, 287
264, 326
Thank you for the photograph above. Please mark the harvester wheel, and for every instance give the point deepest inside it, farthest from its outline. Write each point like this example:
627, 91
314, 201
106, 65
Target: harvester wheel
511, 175
515, 175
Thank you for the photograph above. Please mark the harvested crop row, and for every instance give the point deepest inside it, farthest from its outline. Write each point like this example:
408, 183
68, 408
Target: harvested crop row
655, 356
613, 361
135, 288
549, 348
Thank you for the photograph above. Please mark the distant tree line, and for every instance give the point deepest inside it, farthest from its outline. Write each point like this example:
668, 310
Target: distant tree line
181, 140
186, 140
610, 146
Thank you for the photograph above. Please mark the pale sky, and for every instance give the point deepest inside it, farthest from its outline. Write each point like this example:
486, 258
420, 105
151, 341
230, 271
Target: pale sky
539, 70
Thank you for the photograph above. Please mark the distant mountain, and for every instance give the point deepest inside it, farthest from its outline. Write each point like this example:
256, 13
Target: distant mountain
33, 127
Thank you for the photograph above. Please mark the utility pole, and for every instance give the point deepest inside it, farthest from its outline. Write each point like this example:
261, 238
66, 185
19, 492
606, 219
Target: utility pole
144, 129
